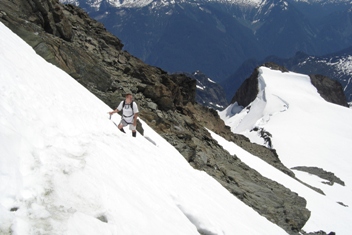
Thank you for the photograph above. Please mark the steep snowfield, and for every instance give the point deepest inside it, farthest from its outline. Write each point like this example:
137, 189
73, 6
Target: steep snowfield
66, 169
306, 131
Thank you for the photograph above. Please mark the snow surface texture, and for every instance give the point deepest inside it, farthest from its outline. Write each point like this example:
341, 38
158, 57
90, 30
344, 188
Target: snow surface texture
66, 169
306, 131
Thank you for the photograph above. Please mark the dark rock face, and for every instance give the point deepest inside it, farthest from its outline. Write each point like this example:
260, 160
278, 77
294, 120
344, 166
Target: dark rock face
65, 36
329, 176
330, 90
248, 90
274, 66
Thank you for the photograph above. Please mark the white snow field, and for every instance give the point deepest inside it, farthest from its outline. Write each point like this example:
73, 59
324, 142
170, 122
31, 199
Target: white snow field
306, 131
66, 169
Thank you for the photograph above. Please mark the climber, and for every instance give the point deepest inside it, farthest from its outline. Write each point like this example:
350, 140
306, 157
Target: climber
129, 114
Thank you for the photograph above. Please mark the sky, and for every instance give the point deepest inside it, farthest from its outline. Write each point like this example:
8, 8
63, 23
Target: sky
66, 169
306, 131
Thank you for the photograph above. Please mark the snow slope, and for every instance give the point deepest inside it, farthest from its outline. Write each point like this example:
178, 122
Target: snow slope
66, 169
306, 131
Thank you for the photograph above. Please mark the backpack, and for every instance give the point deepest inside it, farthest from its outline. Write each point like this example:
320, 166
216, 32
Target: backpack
123, 105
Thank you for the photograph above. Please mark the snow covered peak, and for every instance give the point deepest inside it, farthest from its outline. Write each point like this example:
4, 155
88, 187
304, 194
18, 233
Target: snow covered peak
305, 130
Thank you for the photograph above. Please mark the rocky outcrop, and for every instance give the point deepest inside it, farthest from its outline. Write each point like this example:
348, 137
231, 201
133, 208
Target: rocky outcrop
65, 36
330, 90
274, 66
329, 176
248, 91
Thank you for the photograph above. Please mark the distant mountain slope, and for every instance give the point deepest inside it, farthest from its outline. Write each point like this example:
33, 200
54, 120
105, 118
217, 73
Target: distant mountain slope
183, 37
216, 37
209, 93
